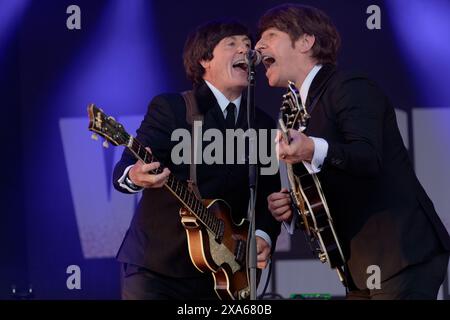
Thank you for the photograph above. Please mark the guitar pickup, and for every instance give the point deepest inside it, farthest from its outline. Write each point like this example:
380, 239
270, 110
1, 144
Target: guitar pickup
239, 252
220, 231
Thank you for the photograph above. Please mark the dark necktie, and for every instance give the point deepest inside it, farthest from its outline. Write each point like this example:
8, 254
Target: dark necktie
230, 120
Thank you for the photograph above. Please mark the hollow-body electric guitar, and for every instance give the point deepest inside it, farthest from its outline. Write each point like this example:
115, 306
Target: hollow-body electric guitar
216, 243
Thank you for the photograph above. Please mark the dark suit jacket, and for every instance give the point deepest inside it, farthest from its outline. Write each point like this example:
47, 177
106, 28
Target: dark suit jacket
156, 239
381, 212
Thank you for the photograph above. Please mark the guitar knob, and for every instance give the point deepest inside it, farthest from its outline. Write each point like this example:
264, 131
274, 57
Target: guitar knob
244, 294
322, 257
94, 136
105, 144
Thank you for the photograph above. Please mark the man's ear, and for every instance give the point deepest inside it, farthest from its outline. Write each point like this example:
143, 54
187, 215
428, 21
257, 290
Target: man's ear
205, 63
305, 42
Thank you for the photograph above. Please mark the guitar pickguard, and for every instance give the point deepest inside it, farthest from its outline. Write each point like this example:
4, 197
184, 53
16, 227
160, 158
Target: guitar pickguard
221, 254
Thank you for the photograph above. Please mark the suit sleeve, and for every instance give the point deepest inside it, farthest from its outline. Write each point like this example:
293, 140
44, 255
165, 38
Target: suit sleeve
154, 132
359, 109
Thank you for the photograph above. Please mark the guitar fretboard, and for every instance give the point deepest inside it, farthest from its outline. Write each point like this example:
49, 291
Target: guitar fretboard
179, 189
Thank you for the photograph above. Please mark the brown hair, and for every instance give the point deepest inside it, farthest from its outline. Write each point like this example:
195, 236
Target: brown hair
297, 20
201, 42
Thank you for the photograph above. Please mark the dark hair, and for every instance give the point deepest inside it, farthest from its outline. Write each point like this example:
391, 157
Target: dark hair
297, 20
201, 43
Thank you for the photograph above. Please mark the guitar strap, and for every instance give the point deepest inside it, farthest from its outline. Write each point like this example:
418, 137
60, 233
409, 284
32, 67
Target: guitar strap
192, 114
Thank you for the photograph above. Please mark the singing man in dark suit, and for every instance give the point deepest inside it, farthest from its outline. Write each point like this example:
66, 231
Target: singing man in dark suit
154, 253
381, 212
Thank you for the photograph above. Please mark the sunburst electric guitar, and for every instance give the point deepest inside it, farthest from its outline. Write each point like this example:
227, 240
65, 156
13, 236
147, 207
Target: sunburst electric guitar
306, 192
216, 243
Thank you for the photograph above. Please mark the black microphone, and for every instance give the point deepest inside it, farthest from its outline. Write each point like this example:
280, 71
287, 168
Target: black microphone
253, 57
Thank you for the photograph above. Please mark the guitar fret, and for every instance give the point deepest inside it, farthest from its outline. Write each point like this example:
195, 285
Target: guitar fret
183, 194
189, 202
204, 218
210, 220
180, 188
139, 151
216, 227
187, 196
214, 223
145, 157
209, 217
196, 207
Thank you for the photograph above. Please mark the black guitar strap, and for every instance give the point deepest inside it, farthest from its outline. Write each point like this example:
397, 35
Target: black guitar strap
192, 114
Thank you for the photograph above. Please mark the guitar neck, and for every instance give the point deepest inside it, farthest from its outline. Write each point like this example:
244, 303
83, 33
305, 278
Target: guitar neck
178, 188
289, 169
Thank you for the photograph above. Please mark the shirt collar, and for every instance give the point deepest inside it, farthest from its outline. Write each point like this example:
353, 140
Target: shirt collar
307, 82
222, 100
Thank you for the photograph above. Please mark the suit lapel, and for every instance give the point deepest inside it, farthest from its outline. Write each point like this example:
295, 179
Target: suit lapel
318, 83
208, 105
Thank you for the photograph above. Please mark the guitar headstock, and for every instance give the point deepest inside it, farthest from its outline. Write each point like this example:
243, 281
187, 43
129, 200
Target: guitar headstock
107, 127
293, 114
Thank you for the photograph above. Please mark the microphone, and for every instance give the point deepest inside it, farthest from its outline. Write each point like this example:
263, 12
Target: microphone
253, 57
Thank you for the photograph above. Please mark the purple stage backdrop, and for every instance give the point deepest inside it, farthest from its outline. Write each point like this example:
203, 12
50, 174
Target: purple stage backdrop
60, 215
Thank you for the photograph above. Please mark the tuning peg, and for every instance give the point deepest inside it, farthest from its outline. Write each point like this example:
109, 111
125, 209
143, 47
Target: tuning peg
112, 118
105, 144
94, 136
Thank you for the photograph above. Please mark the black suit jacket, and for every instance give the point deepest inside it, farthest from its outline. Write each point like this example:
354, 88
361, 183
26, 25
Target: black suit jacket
381, 212
156, 239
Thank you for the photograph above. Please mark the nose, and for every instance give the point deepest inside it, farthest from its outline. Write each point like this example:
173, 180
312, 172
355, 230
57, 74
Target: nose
243, 48
260, 45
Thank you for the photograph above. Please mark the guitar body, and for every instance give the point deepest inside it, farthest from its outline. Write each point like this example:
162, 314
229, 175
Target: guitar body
225, 257
318, 220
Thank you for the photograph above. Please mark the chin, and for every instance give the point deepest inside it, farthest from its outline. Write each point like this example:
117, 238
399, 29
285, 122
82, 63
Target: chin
274, 82
241, 83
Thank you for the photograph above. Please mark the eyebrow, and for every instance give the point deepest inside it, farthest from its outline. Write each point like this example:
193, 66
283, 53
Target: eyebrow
246, 38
